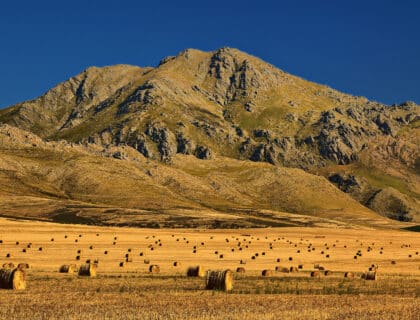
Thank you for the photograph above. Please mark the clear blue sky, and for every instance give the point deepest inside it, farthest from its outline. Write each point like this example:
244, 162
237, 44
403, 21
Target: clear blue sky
369, 48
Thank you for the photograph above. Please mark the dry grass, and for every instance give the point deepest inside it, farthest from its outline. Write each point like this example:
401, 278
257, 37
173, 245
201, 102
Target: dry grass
134, 296
132, 292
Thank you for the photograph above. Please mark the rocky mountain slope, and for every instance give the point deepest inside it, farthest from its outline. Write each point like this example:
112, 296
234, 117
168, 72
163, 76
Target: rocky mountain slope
87, 183
225, 106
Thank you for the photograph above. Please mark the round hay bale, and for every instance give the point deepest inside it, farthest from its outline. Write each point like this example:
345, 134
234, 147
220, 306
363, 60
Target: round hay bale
122, 264
176, 264
67, 268
282, 269
14, 279
349, 275
315, 274
154, 268
393, 262
146, 261
240, 270
88, 270
370, 275
320, 268
197, 271
8, 265
328, 273
267, 273
293, 269
23, 266
219, 280
128, 258
300, 266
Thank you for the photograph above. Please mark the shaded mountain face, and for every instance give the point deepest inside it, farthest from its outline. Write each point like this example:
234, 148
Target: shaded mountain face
229, 104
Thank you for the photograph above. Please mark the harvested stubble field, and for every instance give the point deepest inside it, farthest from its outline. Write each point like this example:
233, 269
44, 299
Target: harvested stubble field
131, 292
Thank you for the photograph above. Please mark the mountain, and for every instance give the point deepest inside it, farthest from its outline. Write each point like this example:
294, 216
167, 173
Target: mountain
267, 139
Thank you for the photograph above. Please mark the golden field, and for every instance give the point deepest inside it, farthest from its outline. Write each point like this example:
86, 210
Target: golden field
131, 292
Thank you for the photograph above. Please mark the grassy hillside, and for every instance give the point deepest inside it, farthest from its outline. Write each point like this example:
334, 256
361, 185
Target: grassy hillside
76, 183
